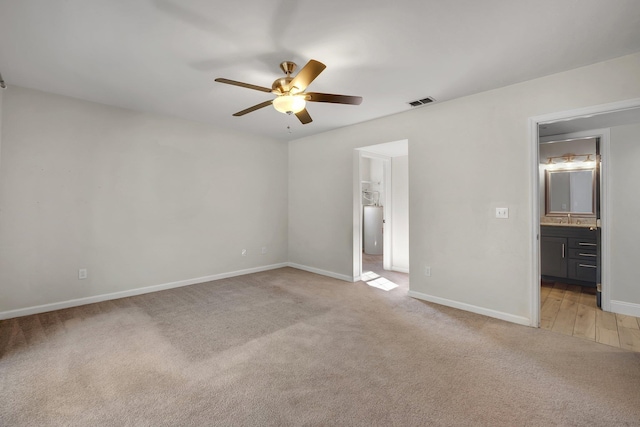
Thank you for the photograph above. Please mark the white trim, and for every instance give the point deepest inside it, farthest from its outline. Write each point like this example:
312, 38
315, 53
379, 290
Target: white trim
534, 237
563, 137
323, 272
132, 292
472, 308
357, 215
627, 308
387, 226
400, 269
605, 218
588, 111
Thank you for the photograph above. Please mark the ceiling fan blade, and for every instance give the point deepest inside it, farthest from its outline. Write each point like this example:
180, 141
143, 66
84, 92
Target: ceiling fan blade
308, 74
334, 99
247, 85
254, 108
304, 116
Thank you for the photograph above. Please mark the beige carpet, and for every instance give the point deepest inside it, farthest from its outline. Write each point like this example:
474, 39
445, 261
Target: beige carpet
287, 347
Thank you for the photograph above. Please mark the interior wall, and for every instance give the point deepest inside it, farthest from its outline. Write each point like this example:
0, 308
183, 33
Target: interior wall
400, 213
456, 180
377, 179
372, 177
365, 177
625, 213
1, 95
137, 199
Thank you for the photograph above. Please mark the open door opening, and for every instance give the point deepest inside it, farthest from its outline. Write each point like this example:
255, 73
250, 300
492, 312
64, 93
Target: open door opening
574, 247
381, 229
570, 249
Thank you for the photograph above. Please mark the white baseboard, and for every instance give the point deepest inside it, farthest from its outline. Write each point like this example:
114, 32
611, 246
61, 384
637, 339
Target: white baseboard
131, 292
626, 308
472, 308
400, 269
322, 272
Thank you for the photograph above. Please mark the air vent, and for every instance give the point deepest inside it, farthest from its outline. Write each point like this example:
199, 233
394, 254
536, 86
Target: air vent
422, 101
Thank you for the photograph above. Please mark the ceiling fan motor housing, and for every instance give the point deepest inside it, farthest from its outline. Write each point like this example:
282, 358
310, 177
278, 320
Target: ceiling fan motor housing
281, 86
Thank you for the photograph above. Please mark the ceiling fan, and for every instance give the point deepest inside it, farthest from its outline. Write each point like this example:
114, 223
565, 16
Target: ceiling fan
290, 92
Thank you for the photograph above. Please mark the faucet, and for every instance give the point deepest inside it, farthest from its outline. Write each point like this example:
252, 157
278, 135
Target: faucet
568, 218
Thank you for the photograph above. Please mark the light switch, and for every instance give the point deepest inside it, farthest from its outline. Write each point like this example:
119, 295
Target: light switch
502, 213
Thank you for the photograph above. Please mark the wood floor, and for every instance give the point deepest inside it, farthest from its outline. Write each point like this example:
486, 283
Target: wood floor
572, 310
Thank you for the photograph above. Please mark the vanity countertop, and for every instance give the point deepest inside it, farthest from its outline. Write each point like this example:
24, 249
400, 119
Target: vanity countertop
556, 224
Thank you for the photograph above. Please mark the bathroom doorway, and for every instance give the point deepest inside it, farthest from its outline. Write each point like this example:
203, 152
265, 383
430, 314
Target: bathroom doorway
570, 243
614, 129
381, 217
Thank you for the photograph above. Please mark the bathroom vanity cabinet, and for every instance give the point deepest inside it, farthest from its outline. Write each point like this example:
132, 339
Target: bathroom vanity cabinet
569, 254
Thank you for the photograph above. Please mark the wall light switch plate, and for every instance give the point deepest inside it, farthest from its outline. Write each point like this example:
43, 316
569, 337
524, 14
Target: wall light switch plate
82, 273
502, 213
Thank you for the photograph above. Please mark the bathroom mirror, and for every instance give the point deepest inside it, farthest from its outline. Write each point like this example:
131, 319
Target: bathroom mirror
570, 191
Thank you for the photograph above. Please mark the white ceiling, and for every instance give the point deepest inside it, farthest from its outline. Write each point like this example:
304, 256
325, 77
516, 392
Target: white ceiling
163, 55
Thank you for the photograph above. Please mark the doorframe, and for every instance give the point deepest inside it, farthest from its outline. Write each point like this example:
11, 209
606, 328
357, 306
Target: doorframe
605, 213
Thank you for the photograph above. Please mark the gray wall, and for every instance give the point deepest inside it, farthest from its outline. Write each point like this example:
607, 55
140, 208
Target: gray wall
467, 157
142, 199
137, 199
625, 214
1, 97
400, 213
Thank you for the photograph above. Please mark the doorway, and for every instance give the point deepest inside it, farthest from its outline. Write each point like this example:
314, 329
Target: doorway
380, 213
587, 122
377, 216
570, 249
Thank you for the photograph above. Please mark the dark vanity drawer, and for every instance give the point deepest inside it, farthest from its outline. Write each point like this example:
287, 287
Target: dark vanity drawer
585, 254
582, 270
582, 243
569, 254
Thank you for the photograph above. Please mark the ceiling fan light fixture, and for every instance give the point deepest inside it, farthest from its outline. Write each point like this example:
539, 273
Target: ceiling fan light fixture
291, 97
289, 104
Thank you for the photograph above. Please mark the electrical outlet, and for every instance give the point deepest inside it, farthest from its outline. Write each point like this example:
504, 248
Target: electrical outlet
82, 273
502, 213
244, 252
264, 250
427, 271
